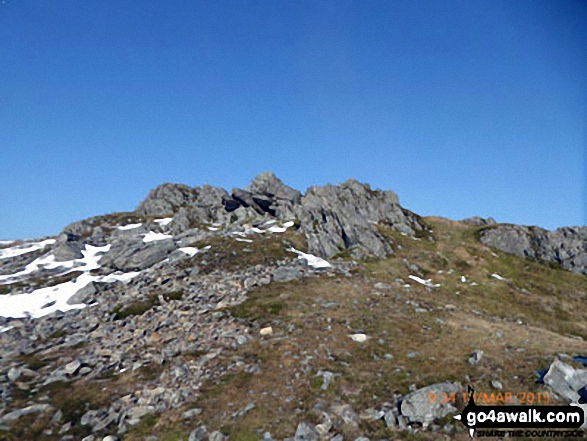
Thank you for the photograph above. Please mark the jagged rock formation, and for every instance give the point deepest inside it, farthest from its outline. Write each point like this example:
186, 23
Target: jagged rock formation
333, 218
565, 246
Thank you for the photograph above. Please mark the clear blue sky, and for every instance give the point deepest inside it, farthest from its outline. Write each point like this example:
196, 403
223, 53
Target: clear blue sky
462, 107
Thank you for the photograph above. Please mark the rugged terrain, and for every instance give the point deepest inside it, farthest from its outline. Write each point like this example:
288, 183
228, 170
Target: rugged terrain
264, 313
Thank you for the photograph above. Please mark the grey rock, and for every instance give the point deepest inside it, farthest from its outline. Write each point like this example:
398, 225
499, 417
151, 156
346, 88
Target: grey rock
136, 255
565, 246
86, 294
336, 218
14, 374
418, 407
270, 185
198, 434
73, 367
476, 357
479, 221
306, 432
68, 247
565, 381
390, 418
166, 199
346, 413
35, 408
217, 436
287, 274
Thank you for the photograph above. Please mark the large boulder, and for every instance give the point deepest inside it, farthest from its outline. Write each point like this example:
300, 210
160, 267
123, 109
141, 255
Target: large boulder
429, 403
69, 246
135, 255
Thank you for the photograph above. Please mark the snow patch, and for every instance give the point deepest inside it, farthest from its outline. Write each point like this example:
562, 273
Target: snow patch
164, 221
89, 262
45, 301
151, 236
238, 239
19, 250
129, 226
190, 251
427, 282
463, 279
497, 276
314, 261
276, 229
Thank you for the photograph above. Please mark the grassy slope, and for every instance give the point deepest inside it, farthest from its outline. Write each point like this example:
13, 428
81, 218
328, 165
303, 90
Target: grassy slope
547, 300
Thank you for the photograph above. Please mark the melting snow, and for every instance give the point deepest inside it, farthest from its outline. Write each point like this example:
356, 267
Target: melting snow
313, 261
18, 250
238, 239
497, 276
213, 228
190, 251
276, 229
6, 242
151, 236
427, 282
47, 300
87, 263
5, 328
164, 221
129, 226
463, 279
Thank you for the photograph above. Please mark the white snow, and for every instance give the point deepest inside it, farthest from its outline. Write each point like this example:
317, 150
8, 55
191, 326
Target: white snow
276, 229
473, 284
213, 228
238, 239
313, 261
5, 328
151, 236
190, 251
47, 300
164, 221
497, 276
6, 242
87, 263
129, 226
20, 249
427, 282
463, 279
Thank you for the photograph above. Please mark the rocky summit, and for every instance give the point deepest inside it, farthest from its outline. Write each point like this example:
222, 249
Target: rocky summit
265, 313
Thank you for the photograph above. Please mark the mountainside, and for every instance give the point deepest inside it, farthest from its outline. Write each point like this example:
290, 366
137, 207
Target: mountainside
265, 313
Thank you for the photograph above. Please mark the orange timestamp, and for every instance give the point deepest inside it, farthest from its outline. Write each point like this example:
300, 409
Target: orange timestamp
492, 398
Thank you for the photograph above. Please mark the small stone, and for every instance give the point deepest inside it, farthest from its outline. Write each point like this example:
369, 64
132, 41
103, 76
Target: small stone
496, 384
476, 357
14, 374
72, 368
266, 331
306, 432
359, 338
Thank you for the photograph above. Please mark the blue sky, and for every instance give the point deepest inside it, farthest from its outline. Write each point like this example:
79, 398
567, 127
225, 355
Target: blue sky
462, 107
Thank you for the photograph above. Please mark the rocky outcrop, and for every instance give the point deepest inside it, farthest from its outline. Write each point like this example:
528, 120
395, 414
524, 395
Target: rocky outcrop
167, 199
565, 246
479, 221
335, 218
